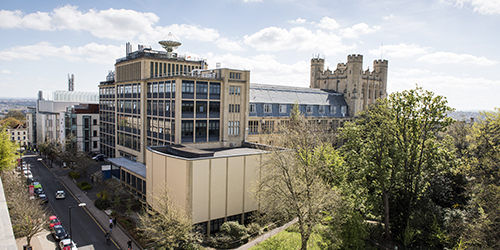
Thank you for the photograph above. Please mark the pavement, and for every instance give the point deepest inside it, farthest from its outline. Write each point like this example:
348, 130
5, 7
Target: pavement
118, 234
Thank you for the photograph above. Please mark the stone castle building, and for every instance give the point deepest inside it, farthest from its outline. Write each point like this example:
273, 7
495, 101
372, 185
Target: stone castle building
360, 88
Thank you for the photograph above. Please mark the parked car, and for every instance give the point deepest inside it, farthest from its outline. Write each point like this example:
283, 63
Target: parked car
60, 194
99, 157
53, 220
43, 198
28, 174
67, 244
59, 232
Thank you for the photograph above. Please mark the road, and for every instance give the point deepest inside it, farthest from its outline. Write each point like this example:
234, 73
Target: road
86, 232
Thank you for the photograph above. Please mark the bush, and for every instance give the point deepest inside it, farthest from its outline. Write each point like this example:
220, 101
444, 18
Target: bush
231, 235
74, 174
84, 185
102, 204
254, 229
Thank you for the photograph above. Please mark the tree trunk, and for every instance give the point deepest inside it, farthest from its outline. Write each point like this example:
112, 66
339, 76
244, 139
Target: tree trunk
304, 239
386, 214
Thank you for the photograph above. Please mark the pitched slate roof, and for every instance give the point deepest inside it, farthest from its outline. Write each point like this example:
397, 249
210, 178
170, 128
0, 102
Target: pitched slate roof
264, 93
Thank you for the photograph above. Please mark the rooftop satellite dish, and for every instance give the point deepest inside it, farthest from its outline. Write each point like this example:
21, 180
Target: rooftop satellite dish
170, 42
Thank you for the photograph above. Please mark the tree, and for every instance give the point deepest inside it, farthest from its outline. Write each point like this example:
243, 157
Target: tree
16, 114
10, 122
28, 217
167, 225
8, 150
293, 177
394, 145
481, 227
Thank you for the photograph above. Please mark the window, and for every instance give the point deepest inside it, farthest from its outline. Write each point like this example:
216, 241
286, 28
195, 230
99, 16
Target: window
309, 109
253, 127
187, 87
215, 88
267, 127
201, 87
234, 90
234, 128
252, 108
94, 122
234, 75
268, 108
343, 110
333, 110
95, 133
321, 109
95, 144
282, 108
234, 108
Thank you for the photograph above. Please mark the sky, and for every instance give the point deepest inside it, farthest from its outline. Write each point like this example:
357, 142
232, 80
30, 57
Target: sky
449, 47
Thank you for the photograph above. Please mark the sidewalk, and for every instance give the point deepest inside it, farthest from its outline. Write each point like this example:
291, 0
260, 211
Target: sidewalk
117, 234
41, 241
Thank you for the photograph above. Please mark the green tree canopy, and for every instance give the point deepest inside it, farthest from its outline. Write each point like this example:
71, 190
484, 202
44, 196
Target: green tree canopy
392, 151
8, 151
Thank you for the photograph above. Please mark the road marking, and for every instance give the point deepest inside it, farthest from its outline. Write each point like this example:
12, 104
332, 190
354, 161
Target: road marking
84, 208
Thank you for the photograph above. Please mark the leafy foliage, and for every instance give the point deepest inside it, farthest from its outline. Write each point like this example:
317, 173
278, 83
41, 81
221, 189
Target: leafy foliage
7, 152
167, 225
28, 217
392, 153
294, 176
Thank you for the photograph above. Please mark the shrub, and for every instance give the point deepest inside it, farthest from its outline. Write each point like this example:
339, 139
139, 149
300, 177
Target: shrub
74, 174
231, 235
254, 229
84, 185
102, 204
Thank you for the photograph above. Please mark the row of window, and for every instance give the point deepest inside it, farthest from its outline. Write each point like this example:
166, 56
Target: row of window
234, 108
283, 108
169, 69
161, 87
19, 133
234, 90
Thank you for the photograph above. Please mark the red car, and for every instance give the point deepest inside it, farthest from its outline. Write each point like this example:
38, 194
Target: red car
53, 220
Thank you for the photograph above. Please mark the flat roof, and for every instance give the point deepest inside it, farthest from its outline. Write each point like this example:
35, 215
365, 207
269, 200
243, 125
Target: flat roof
189, 153
132, 166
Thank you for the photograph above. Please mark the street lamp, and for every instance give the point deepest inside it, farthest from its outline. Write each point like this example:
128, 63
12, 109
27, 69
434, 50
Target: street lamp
80, 205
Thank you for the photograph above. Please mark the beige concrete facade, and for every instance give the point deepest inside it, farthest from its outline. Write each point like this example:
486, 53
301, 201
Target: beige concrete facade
209, 188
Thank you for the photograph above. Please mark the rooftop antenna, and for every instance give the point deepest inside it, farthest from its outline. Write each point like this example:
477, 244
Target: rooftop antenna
169, 43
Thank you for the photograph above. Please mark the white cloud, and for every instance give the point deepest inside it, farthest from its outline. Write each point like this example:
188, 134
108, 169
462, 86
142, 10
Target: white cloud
485, 7
453, 58
328, 23
400, 72
265, 69
298, 38
112, 23
226, 44
188, 32
400, 50
357, 30
5, 71
92, 52
391, 16
298, 21
455, 88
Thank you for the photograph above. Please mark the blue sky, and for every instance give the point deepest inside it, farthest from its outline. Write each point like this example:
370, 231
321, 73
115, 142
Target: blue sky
449, 47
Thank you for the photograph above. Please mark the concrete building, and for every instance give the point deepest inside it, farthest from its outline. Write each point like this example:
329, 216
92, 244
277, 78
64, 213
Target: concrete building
19, 135
52, 119
162, 98
81, 122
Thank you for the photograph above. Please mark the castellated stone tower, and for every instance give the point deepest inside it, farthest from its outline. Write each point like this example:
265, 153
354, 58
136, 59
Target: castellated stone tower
360, 88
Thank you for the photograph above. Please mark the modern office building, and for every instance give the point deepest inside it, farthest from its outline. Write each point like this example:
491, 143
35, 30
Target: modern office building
57, 115
162, 98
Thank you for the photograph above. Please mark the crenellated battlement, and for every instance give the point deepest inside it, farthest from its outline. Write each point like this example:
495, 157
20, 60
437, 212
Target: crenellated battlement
380, 63
355, 58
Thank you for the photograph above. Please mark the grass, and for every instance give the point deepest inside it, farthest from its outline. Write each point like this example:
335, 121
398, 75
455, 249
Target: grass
287, 240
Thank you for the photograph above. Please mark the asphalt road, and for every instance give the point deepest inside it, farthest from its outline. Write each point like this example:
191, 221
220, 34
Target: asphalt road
85, 230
